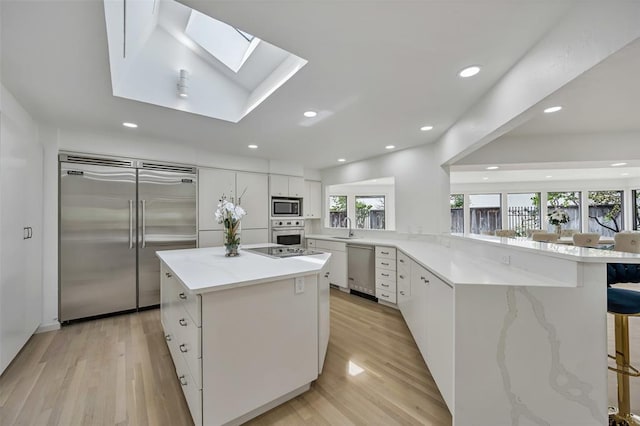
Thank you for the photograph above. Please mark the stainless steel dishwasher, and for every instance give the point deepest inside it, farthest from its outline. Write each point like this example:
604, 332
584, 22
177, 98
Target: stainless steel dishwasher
361, 269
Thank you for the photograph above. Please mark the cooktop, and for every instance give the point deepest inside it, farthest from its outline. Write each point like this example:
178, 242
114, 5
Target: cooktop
282, 251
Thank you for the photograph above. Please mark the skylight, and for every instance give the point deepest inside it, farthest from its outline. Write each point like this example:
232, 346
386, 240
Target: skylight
227, 44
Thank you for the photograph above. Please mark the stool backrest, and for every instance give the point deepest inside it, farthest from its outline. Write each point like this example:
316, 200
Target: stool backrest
530, 232
548, 237
586, 239
627, 241
568, 232
509, 233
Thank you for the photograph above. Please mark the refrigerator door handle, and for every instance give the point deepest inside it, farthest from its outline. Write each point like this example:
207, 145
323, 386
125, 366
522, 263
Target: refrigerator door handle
144, 222
130, 224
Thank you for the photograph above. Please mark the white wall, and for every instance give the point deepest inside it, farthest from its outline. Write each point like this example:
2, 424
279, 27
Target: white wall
421, 187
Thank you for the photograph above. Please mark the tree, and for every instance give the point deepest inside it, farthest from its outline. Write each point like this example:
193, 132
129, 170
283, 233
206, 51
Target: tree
457, 201
362, 212
612, 201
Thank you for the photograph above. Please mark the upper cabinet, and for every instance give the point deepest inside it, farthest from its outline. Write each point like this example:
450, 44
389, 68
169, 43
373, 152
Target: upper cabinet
312, 199
249, 189
286, 186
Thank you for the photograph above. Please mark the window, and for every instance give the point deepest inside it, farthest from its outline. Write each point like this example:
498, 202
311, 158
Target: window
370, 211
337, 211
457, 212
606, 212
569, 202
523, 212
485, 213
636, 209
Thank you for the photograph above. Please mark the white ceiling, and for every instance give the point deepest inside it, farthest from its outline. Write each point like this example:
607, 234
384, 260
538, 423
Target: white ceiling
377, 71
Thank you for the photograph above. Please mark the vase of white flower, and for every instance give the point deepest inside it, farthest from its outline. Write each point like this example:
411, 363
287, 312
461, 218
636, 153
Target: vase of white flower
230, 215
557, 218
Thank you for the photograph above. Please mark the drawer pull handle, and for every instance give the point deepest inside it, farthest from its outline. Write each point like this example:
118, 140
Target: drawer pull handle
401, 260
402, 292
183, 380
183, 322
168, 274
424, 279
384, 295
385, 264
401, 277
167, 337
384, 285
182, 296
384, 275
384, 252
326, 275
183, 348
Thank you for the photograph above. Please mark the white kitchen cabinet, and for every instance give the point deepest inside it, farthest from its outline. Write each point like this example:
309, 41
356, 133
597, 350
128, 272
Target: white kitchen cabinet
286, 186
403, 279
337, 262
255, 200
252, 190
416, 314
212, 184
323, 315
386, 273
21, 196
312, 203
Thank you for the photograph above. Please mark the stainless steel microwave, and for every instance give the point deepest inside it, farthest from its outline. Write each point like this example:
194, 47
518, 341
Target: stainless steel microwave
286, 207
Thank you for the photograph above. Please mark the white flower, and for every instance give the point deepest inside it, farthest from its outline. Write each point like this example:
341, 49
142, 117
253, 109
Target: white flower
227, 211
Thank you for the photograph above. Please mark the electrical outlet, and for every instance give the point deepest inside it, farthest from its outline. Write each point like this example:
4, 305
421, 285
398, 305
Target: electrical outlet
506, 259
299, 285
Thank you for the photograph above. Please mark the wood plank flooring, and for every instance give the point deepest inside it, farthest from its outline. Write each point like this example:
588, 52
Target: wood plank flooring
117, 371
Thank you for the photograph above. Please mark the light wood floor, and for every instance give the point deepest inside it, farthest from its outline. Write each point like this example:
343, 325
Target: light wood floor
117, 371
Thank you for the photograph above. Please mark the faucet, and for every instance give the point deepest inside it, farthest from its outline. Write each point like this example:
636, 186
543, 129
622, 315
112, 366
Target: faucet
350, 231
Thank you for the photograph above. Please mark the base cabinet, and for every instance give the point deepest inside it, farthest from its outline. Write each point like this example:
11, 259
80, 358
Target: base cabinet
337, 262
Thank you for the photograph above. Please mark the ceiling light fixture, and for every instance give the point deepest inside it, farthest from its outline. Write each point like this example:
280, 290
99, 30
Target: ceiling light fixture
310, 114
341, 160
618, 164
552, 109
624, 174
130, 125
469, 71
252, 146
485, 178
493, 168
182, 84
389, 147
426, 128
548, 176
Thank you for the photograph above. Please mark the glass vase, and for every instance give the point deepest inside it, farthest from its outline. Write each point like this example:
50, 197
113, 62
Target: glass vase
559, 230
231, 250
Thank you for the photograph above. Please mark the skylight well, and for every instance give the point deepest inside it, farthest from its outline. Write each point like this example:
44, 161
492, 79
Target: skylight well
229, 45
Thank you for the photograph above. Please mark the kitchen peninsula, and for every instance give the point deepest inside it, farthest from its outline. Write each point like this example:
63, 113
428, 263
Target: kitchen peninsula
245, 333
512, 331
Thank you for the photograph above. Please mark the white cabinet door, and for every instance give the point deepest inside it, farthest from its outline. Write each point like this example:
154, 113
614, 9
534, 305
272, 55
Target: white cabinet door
255, 200
254, 236
210, 238
338, 268
323, 315
296, 187
403, 283
312, 200
440, 336
212, 184
417, 320
279, 185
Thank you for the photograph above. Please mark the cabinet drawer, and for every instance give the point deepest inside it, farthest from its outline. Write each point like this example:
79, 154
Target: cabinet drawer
386, 285
386, 263
331, 245
193, 394
403, 264
386, 252
387, 296
385, 275
187, 338
191, 303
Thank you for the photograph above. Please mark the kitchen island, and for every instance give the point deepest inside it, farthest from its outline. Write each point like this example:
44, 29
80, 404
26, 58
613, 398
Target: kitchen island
245, 333
513, 331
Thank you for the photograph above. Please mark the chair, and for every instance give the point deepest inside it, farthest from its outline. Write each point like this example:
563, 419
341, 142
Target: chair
627, 241
545, 237
508, 233
623, 303
568, 232
586, 239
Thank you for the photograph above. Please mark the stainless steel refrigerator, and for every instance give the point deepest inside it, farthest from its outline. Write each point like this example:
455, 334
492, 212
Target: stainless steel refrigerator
114, 215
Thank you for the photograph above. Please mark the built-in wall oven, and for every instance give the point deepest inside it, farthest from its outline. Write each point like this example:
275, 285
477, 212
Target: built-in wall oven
289, 232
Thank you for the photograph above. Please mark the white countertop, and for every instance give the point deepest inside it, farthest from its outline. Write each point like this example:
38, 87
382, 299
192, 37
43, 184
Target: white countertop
207, 269
456, 267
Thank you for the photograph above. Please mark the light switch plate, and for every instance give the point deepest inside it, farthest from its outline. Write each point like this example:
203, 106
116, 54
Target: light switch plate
299, 285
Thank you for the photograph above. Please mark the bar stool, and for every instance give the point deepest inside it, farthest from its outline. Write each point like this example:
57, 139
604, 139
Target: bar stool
586, 239
546, 237
623, 303
508, 233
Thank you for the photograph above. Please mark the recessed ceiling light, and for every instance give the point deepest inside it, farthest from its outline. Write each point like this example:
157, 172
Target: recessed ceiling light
624, 174
469, 71
389, 147
618, 164
341, 160
552, 109
548, 176
310, 114
252, 146
493, 168
426, 128
485, 178
131, 125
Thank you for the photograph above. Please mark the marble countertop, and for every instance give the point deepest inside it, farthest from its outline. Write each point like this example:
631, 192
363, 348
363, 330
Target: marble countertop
207, 269
456, 267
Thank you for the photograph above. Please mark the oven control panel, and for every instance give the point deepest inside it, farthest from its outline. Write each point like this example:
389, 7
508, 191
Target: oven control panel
287, 223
